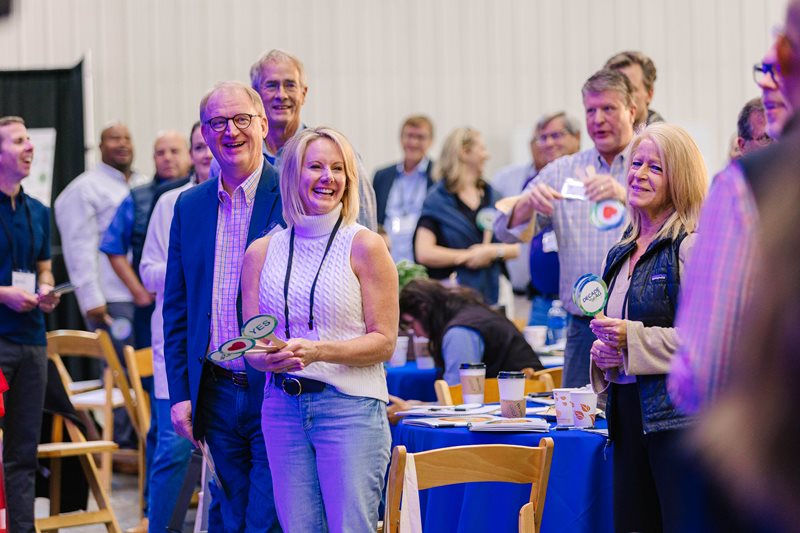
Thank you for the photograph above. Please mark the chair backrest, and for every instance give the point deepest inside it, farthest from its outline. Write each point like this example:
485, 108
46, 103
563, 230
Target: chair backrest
97, 345
468, 464
555, 374
451, 394
140, 365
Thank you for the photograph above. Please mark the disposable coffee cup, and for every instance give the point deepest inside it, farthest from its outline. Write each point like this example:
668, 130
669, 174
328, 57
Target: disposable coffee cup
473, 380
563, 405
512, 394
584, 408
535, 335
425, 363
421, 347
400, 352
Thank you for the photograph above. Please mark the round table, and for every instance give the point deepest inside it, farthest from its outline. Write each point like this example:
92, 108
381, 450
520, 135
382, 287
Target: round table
579, 492
411, 383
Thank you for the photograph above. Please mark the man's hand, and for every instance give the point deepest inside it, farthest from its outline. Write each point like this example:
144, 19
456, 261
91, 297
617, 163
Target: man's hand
47, 300
99, 315
142, 298
17, 299
599, 187
540, 198
181, 415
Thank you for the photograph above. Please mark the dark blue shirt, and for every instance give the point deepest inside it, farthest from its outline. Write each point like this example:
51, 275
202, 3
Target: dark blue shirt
29, 225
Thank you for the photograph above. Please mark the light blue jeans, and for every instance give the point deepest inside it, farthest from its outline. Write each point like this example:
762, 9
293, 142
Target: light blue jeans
328, 453
170, 460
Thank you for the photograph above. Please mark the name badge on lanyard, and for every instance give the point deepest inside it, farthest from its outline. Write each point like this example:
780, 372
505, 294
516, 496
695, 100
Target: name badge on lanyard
24, 280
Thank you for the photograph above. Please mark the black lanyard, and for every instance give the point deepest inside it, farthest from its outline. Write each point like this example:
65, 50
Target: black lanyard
313, 285
10, 236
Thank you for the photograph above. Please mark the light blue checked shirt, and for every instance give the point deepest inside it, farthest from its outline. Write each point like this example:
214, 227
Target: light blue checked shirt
582, 247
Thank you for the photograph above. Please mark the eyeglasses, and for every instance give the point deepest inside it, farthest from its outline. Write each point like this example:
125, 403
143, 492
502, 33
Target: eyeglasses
272, 86
761, 141
241, 121
556, 136
762, 70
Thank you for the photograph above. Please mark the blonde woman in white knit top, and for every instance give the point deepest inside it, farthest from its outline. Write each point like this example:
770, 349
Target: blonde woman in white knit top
333, 287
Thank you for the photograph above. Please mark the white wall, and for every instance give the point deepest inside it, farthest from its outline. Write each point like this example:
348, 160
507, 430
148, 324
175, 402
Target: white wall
493, 64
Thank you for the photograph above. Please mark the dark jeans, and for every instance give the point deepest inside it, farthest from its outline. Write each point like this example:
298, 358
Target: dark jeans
231, 421
657, 483
576, 354
25, 369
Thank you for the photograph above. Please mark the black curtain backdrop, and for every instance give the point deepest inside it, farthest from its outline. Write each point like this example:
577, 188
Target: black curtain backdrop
52, 99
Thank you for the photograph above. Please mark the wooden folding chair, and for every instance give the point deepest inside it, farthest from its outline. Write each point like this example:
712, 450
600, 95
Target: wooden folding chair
451, 394
140, 365
555, 374
83, 450
468, 464
116, 391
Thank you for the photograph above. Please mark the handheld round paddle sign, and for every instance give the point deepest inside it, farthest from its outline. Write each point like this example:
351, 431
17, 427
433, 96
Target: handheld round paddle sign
607, 214
485, 218
233, 349
259, 326
590, 294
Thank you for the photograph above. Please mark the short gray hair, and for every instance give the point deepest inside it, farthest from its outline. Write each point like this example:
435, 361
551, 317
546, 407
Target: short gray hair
275, 56
237, 85
743, 126
572, 126
609, 80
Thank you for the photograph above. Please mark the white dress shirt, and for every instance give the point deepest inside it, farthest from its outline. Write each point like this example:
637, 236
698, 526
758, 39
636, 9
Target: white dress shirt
153, 271
83, 211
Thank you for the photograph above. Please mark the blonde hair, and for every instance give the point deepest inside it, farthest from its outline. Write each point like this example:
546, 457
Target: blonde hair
255, 99
294, 154
686, 176
450, 168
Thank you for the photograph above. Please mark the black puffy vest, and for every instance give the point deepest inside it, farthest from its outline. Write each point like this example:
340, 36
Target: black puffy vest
652, 299
504, 347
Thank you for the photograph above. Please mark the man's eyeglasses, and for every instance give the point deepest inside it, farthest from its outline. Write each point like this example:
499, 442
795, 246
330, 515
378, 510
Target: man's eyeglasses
556, 136
241, 121
763, 70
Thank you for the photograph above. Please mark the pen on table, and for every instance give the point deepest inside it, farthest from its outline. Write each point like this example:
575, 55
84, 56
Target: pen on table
466, 406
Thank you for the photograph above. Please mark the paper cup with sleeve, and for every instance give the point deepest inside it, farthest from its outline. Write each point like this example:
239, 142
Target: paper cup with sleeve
563, 405
473, 381
400, 352
584, 407
512, 394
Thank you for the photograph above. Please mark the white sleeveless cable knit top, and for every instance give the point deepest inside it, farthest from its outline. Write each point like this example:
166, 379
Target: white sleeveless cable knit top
338, 311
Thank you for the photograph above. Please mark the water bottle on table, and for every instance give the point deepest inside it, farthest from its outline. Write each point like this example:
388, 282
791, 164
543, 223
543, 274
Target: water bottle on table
556, 323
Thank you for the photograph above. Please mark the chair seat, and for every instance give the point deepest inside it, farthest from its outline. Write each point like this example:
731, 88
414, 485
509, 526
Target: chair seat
96, 399
76, 387
74, 449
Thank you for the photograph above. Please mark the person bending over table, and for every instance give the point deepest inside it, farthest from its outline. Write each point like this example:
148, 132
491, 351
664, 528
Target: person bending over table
448, 239
333, 287
655, 484
462, 329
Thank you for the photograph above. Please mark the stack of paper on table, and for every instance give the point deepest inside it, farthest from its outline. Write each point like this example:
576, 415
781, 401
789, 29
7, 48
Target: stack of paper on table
448, 421
466, 409
512, 424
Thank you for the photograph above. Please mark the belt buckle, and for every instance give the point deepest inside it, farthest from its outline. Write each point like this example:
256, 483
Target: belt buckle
291, 386
239, 380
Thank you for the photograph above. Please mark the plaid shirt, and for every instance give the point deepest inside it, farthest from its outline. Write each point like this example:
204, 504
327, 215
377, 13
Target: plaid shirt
233, 224
716, 291
582, 247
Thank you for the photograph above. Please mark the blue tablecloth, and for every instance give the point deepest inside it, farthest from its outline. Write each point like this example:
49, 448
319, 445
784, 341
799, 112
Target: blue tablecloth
411, 383
579, 493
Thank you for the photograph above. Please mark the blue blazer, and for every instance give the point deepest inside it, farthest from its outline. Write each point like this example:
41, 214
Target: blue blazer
189, 283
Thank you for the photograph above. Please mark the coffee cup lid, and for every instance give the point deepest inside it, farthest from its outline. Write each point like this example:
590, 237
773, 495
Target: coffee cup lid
508, 374
473, 366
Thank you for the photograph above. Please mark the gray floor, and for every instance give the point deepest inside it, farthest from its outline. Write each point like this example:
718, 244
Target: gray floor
124, 500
